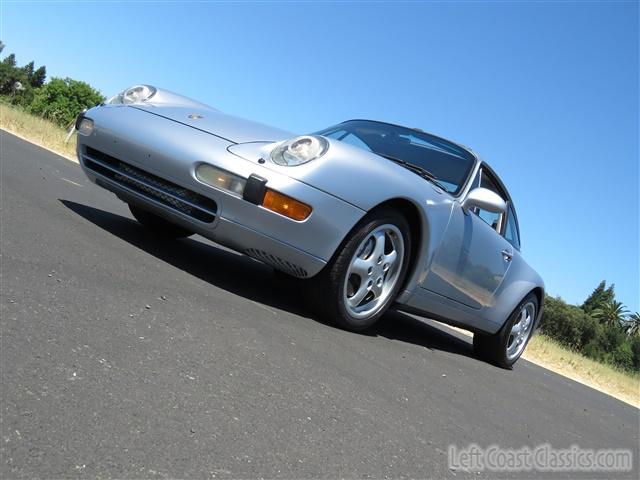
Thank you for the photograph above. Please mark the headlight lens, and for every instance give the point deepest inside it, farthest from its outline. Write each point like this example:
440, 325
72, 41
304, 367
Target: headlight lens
135, 94
299, 150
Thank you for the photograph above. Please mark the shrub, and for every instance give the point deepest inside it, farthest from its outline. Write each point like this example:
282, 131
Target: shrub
61, 100
634, 343
567, 324
623, 356
606, 342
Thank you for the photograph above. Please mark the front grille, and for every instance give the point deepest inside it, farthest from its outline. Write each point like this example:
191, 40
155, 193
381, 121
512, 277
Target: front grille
151, 186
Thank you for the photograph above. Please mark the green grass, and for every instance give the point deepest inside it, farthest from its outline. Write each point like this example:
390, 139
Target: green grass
37, 130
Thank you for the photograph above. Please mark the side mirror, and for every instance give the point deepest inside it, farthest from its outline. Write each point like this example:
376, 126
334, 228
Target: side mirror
484, 199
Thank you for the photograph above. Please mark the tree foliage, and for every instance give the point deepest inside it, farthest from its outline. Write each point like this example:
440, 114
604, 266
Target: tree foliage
600, 295
19, 83
61, 100
610, 312
599, 329
569, 324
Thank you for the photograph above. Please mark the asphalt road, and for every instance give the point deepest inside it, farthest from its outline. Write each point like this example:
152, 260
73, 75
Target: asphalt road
125, 356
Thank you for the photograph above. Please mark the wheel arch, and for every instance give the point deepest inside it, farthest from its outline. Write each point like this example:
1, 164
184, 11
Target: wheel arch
418, 230
509, 299
539, 293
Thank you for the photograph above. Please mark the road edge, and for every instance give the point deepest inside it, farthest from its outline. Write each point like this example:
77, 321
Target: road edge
33, 142
576, 378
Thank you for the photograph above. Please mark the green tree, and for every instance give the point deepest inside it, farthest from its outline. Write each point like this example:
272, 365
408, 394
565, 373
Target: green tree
61, 100
604, 339
38, 77
10, 74
568, 324
623, 356
35, 77
610, 313
600, 295
635, 350
10, 60
28, 78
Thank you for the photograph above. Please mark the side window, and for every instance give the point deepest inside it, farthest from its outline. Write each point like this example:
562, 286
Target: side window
494, 220
511, 232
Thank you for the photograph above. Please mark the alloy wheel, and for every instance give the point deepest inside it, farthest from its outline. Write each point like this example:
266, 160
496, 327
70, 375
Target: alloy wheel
374, 271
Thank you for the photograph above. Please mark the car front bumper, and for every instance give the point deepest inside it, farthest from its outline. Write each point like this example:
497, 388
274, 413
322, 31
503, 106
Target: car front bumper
151, 161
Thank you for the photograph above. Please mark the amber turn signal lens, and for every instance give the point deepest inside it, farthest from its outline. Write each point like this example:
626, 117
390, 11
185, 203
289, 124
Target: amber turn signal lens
284, 205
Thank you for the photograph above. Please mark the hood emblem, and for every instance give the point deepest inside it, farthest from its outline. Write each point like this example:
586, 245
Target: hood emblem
195, 116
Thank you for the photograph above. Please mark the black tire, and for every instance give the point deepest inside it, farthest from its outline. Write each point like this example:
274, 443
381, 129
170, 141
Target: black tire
328, 289
158, 225
493, 348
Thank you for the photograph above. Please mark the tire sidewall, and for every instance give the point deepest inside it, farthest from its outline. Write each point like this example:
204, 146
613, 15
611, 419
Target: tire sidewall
506, 329
337, 271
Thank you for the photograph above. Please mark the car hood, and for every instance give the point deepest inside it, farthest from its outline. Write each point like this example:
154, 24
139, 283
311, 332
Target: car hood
228, 127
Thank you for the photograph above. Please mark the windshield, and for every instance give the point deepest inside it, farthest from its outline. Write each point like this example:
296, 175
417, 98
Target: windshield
448, 162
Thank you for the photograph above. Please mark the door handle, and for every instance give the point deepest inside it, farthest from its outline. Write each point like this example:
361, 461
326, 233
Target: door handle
507, 255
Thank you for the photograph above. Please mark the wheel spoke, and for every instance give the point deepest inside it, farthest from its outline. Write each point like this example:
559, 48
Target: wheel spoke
391, 258
357, 297
377, 289
523, 315
360, 267
378, 249
515, 330
520, 331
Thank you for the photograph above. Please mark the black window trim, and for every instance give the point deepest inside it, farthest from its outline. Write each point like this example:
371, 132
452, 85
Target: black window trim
506, 197
511, 209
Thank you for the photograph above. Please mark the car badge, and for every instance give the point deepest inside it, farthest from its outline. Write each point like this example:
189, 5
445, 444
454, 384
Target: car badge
195, 116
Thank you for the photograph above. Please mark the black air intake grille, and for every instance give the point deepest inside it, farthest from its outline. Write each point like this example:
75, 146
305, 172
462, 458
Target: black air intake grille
151, 186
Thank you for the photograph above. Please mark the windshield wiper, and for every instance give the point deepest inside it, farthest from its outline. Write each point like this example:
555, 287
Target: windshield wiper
422, 172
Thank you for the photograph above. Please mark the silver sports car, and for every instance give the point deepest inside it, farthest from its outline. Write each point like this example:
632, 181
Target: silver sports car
368, 214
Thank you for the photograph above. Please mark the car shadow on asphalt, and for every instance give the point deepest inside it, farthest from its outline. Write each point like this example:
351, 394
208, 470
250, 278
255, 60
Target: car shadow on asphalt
243, 276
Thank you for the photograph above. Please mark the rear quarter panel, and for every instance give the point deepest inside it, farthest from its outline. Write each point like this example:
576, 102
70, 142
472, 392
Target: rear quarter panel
521, 279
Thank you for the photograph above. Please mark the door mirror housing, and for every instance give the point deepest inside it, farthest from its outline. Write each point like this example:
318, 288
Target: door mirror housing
484, 199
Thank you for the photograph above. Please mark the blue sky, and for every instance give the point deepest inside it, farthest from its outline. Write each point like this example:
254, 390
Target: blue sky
547, 92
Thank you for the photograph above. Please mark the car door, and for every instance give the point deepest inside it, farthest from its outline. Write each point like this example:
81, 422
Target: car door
473, 257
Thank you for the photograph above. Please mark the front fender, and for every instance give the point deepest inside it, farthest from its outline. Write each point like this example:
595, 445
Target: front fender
367, 181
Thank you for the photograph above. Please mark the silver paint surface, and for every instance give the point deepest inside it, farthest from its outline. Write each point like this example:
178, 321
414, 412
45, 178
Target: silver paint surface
458, 272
